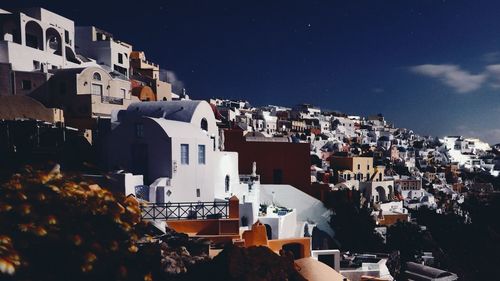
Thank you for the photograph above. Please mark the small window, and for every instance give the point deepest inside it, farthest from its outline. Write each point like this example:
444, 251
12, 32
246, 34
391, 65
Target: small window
96, 76
26, 84
198, 192
368, 167
201, 154
36, 65
185, 154
359, 166
124, 93
97, 89
227, 182
204, 124
66, 37
120, 58
139, 130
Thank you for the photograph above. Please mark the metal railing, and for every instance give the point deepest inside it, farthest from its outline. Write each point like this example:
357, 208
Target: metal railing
248, 178
185, 210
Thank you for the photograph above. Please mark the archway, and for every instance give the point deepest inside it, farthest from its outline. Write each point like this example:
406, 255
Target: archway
33, 35
391, 192
54, 41
204, 124
269, 231
382, 194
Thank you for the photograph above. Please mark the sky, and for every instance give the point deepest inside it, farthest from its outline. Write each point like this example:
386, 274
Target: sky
428, 65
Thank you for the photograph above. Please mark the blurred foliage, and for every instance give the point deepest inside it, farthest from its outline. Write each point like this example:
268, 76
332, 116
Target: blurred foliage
59, 227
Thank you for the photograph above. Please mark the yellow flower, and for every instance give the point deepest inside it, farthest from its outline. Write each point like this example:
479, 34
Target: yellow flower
133, 249
6, 267
90, 257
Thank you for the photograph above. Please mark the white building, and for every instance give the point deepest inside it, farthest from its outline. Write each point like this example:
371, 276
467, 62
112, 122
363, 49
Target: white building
38, 40
174, 145
101, 46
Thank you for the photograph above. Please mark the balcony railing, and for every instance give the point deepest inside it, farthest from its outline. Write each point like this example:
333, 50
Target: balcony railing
185, 210
248, 178
111, 100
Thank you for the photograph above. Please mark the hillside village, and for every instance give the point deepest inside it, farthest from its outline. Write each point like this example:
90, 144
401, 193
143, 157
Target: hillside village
224, 170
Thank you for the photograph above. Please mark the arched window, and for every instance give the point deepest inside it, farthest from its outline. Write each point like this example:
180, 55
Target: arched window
96, 76
34, 35
204, 124
227, 180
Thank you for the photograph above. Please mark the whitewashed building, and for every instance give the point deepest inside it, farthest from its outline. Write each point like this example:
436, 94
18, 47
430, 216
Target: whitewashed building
104, 48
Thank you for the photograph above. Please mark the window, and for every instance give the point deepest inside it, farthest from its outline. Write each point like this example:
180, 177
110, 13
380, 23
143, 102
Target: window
26, 84
36, 65
198, 192
97, 89
96, 76
124, 93
204, 124
368, 167
120, 58
66, 37
201, 154
185, 154
139, 130
227, 181
359, 166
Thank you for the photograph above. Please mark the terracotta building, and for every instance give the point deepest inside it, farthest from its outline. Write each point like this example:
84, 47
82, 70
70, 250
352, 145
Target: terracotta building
278, 161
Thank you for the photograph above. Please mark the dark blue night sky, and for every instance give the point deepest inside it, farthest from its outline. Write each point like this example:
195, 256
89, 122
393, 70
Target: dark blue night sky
433, 66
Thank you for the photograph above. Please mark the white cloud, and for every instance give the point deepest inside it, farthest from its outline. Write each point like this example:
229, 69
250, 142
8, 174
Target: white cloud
452, 75
491, 57
170, 77
491, 136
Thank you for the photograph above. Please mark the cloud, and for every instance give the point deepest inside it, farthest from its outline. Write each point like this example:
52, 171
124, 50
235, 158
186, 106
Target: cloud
452, 75
491, 136
378, 90
491, 57
170, 77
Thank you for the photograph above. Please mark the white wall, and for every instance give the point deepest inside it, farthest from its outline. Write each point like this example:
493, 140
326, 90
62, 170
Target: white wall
225, 163
308, 208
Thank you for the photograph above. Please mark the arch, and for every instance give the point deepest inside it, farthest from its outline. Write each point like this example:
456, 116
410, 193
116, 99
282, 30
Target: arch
33, 35
381, 192
96, 76
269, 231
204, 124
391, 192
54, 41
160, 194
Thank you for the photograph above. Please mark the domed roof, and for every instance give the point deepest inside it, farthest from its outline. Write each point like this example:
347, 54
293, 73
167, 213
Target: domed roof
182, 110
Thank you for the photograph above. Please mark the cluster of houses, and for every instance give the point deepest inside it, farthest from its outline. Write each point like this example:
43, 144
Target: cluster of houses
223, 169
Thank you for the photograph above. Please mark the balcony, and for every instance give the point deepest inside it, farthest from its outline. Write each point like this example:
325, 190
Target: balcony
185, 210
